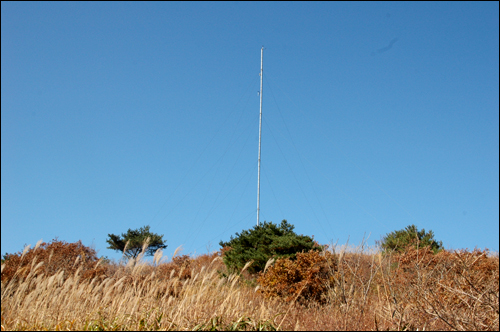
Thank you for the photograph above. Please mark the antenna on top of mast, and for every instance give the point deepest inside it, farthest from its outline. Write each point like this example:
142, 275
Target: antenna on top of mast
260, 134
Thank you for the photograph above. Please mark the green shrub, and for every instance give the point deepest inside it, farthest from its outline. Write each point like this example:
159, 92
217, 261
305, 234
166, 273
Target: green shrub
410, 236
262, 243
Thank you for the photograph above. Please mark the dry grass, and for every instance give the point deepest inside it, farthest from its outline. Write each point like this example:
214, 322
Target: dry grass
362, 290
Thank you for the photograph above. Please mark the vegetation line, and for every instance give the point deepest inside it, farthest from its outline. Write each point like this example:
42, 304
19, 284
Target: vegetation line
265, 278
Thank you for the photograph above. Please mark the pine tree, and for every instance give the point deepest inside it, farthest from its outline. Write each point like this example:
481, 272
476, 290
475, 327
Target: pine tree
410, 236
131, 243
263, 242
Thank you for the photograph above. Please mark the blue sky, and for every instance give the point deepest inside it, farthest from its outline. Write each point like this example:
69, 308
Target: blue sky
375, 116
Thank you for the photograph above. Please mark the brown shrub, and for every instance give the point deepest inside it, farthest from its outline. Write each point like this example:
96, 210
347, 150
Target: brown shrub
208, 259
180, 267
354, 278
305, 278
51, 258
459, 289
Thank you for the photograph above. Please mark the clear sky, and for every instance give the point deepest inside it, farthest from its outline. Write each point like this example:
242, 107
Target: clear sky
376, 116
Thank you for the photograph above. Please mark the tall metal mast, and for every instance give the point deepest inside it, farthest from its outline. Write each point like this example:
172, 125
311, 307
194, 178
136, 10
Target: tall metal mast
260, 135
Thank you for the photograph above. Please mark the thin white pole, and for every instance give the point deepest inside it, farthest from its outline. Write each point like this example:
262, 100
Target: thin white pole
260, 134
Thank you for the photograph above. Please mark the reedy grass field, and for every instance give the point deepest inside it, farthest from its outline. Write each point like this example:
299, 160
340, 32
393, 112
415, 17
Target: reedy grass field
363, 289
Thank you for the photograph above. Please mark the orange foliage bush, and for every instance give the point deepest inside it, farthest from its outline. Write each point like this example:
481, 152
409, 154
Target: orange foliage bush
53, 257
305, 278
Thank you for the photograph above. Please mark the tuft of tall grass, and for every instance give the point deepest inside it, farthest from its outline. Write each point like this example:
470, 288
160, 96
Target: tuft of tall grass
184, 293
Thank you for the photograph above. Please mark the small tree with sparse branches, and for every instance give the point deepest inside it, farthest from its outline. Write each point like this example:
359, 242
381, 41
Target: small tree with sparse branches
131, 243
